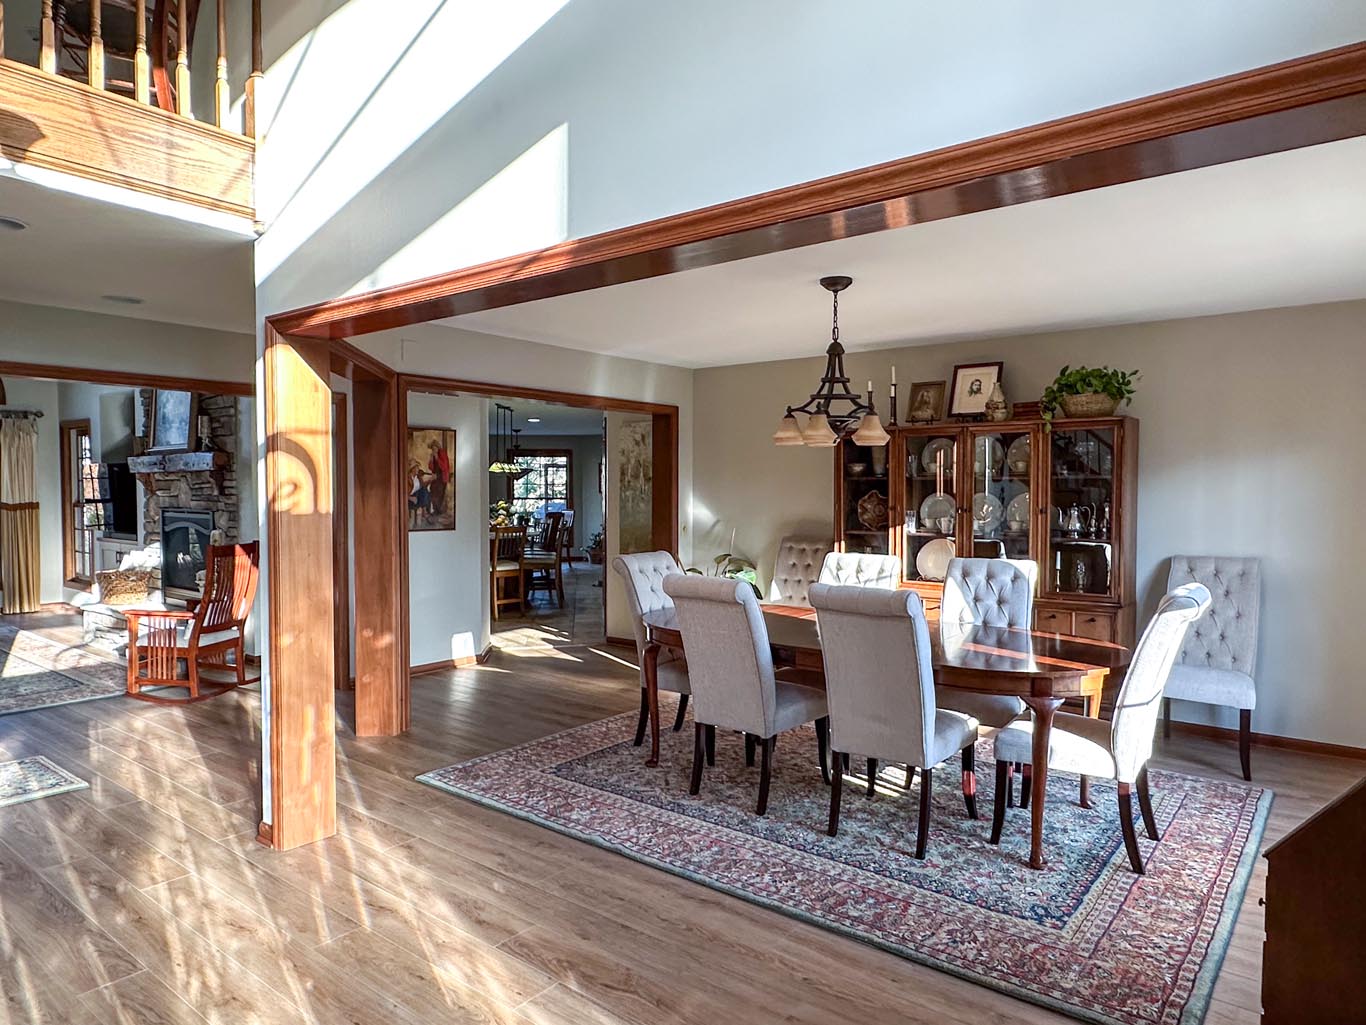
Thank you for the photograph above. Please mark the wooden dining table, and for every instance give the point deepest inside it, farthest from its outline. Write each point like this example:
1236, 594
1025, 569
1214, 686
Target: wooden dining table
1042, 669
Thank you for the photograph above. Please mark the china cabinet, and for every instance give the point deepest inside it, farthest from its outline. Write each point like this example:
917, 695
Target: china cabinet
1064, 498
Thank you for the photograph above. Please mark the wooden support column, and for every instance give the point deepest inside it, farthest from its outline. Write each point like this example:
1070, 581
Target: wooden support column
664, 481
142, 64
378, 416
303, 764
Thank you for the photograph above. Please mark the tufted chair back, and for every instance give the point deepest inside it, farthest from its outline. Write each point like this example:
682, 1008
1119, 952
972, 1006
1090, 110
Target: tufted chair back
879, 677
1140, 697
644, 574
1226, 636
797, 567
730, 665
989, 592
848, 569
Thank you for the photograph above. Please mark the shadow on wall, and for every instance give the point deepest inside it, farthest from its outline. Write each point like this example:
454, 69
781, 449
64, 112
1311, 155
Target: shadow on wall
17, 135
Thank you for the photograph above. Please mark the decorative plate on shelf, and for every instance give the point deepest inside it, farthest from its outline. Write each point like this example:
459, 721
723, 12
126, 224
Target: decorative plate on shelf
929, 456
932, 561
936, 509
1018, 510
987, 512
988, 454
1017, 456
872, 510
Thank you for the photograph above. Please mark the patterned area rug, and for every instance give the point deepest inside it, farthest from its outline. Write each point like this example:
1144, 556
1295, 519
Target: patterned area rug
31, 778
1085, 936
37, 673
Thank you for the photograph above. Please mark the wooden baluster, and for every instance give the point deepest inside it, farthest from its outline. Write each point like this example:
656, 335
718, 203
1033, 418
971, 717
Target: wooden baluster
142, 63
222, 99
257, 63
47, 56
95, 60
182, 61
2, 29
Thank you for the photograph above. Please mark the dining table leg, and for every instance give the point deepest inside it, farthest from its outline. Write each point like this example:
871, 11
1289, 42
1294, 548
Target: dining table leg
1043, 709
652, 699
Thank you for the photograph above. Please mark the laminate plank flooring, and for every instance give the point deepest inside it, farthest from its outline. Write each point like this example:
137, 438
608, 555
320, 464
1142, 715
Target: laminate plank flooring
147, 898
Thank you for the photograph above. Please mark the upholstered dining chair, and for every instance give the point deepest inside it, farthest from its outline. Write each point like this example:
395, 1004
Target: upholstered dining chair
879, 684
853, 569
988, 592
796, 568
1118, 749
644, 575
1219, 658
730, 667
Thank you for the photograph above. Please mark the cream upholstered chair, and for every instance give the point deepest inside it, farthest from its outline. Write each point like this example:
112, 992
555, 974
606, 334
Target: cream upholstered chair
852, 569
1219, 658
1118, 749
796, 568
988, 592
730, 667
644, 575
880, 688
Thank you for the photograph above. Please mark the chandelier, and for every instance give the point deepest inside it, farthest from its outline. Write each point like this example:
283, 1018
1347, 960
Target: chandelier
505, 448
825, 423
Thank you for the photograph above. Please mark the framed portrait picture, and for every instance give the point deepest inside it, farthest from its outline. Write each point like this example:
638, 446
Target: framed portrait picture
172, 427
430, 478
926, 404
972, 384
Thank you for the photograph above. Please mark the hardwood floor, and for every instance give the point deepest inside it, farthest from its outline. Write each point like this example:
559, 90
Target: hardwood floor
146, 898
546, 625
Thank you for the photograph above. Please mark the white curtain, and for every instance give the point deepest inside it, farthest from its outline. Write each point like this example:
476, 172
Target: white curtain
19, 553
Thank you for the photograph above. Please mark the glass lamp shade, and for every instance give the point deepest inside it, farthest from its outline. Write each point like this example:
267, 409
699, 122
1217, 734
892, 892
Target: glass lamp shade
870, 432
818, 433
788, 433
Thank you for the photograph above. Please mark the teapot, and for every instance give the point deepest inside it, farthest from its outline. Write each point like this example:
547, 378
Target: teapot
1076, 520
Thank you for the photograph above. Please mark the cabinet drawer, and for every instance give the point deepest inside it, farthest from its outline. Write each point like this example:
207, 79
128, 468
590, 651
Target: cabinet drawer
1053, 621
1098, 626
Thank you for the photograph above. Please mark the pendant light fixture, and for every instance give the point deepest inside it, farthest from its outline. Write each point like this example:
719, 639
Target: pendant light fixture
505, 452
833, 410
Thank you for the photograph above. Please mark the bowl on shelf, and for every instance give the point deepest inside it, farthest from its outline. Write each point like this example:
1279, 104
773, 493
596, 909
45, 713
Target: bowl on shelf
856, 469
872, 510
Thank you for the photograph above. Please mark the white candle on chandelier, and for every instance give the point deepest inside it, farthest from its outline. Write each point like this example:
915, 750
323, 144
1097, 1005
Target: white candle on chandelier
894, 373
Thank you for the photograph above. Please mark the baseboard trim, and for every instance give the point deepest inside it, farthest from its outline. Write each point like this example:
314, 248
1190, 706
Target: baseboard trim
452, 663
265, 835
622, 642
1316, 747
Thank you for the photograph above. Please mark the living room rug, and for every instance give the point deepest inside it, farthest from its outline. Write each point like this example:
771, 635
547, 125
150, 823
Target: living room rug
38, 673
31, 778
1085, 936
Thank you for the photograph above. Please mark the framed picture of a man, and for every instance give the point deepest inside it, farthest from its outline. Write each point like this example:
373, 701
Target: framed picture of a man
972, 384
430, 478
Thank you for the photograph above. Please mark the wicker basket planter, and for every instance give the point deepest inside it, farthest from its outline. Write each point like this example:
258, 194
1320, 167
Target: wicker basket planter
1088, 405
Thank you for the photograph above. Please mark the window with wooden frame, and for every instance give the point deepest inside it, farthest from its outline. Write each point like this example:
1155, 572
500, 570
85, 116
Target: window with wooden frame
85, 503
549, 487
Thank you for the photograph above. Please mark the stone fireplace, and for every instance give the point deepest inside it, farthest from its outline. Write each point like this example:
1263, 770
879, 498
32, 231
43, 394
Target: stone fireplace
170, 487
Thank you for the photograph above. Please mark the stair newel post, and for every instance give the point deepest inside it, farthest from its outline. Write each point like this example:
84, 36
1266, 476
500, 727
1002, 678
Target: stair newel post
95, 61
254, 79
142, 64
182, 60
47, 55
222, 97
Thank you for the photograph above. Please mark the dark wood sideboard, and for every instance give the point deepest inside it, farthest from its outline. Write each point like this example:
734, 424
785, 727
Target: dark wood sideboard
1314, 959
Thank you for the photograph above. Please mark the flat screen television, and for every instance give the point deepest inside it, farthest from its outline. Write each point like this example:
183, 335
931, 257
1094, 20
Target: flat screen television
123, 501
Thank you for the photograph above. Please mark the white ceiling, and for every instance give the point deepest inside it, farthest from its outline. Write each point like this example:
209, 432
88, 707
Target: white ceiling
555, 419
78, 248
1281, 230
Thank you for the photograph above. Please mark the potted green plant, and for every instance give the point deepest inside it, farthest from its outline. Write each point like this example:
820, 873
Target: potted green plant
1087, 391
595, 548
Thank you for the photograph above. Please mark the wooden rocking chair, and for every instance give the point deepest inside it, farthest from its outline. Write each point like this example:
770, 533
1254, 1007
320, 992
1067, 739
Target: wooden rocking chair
205, 633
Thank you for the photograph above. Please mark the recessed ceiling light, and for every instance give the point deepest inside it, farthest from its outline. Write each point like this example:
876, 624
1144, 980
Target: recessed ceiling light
124, 300
11, 223
533, 419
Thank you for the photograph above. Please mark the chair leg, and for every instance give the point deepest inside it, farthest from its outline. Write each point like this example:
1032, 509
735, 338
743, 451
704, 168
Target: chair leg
836, 787
765, 769
970, 779
644, 717
240, 656
1245, 742
922, 835
493, 596
1166, 718
1004, 772
698, 756
750, 742
822, 743
559, 583
1026, 783
682, 712
711, 746
872, 776
1126, 824
1011, 769
1145, 804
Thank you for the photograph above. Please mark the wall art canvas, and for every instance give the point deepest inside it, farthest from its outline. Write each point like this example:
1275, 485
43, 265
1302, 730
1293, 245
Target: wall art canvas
634, 479
430, 479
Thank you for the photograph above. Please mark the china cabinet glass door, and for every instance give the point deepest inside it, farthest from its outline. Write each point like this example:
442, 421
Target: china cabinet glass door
1081, 507
866, 499
931, 503
1001, 511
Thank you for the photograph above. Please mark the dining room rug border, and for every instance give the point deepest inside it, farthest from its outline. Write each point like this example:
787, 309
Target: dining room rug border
1194, 1012
72, 782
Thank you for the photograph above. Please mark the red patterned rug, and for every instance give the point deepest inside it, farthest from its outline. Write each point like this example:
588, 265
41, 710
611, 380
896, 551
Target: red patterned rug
1085, 936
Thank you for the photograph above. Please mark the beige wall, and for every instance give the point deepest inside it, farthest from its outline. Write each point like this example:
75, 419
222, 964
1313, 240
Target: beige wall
1250, 445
